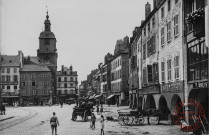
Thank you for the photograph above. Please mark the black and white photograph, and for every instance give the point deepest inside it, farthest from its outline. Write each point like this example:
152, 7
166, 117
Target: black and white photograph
104, 67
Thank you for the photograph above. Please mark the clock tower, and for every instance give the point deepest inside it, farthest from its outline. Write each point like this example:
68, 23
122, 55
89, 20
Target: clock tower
47, 44
47, 52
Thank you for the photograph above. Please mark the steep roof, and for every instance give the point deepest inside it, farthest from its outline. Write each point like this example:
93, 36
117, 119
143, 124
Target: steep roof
10, 60
35, 67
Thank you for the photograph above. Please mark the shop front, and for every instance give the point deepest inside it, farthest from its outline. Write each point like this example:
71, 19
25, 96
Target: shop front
199, 93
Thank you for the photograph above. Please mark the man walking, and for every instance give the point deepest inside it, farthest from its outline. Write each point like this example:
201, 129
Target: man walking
54, 122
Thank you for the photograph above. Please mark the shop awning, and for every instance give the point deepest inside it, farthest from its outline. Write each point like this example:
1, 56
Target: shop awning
97, 96
91, 97
110, 96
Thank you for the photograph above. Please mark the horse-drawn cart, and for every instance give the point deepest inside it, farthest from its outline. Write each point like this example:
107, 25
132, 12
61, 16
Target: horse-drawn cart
83, 111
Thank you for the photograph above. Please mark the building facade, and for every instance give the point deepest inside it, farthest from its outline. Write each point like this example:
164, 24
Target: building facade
10, 77
67, 83
150, 73
162, 57
90, 81
120, 71
171, 40
196, 57
134, 69
36, 82
83, 89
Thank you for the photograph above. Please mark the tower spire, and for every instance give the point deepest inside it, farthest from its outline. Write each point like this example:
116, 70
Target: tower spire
47, 16
47, 21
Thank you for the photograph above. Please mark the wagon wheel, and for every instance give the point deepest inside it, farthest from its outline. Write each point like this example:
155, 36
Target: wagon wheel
154, 120
128, 120
121, 120
141, 120
135, 120
85, 116
74, 117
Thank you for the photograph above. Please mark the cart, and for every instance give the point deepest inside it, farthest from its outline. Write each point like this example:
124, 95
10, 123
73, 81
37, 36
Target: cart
130, 118
138, 117
83, 112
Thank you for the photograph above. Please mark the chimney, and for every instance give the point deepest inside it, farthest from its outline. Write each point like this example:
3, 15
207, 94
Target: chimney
71, 68
147, 10
20, 55
62, 68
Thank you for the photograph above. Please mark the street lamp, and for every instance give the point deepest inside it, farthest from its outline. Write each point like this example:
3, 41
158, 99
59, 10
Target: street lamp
50, 96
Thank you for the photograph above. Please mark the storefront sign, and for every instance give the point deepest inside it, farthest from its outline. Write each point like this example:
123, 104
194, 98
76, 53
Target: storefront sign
9, 83
172, 87
201, 85
150, 89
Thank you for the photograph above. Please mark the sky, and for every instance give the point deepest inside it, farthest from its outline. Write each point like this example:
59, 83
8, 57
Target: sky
86, 30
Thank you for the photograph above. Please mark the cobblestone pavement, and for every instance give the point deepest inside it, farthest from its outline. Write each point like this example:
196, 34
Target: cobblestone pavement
36, 122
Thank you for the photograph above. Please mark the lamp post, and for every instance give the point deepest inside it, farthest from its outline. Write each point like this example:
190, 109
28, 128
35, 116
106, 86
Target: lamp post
50, 96
20, 99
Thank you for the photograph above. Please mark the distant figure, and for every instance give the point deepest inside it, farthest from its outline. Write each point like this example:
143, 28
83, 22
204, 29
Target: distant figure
117, 103
101, 110
54, 122
93, 119
49, 103
102, 124
61, 104
3, 110
97, 109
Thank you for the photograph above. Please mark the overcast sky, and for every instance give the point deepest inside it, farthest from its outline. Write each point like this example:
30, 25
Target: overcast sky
85, 30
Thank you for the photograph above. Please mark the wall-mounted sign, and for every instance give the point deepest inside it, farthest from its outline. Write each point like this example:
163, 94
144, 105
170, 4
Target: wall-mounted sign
150, 89
172, 87
201, 85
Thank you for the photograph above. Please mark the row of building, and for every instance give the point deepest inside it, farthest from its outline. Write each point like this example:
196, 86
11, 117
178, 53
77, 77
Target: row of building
35, 79
165, 62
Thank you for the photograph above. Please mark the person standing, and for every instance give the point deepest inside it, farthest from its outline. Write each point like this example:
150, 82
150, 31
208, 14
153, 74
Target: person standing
54, 122
102, 124
3, 110
97, 109
93, 120
117, 103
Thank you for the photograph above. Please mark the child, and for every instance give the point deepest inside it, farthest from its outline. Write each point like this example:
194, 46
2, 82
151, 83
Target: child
97, 109
93, 119
102, 124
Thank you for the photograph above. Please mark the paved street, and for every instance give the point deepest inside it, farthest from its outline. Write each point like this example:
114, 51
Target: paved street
35, 120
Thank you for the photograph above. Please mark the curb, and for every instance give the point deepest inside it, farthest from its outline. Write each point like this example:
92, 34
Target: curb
7, 118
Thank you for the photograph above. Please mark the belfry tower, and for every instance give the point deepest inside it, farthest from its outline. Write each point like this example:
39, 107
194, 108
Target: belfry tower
47, 52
